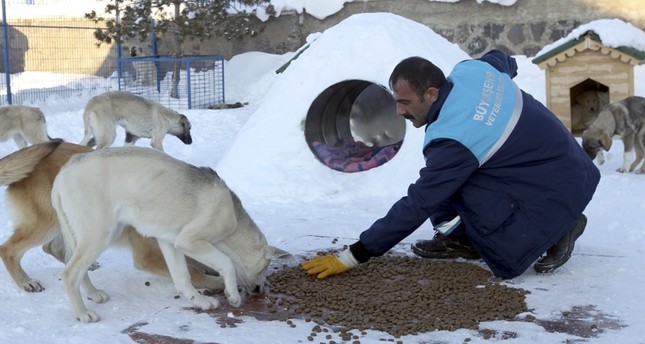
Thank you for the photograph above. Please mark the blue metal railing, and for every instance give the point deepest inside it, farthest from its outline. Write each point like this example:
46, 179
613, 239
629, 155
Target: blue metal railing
200, 81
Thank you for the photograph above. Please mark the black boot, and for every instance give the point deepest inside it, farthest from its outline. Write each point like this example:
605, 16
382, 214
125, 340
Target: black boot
443, 247
560, 253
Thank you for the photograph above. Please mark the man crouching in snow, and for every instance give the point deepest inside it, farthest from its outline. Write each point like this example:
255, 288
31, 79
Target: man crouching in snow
504, 179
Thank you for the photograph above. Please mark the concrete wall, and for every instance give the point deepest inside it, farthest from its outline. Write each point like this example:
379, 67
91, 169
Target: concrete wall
521, 29
58, 45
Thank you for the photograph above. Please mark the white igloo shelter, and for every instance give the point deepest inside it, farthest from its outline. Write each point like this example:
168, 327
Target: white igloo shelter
336, 89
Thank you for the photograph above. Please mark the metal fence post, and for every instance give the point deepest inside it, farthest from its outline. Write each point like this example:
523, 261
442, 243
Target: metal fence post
189, 88
7, 65
119, 71
155, 51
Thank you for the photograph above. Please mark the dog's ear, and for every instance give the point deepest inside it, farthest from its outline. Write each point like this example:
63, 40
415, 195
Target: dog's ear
185, 123
280, 254
605, 141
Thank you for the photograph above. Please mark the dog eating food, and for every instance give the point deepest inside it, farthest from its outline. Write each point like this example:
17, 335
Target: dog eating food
188, 209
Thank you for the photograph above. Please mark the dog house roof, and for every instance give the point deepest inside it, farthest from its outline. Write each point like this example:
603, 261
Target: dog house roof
611, 37
589, 41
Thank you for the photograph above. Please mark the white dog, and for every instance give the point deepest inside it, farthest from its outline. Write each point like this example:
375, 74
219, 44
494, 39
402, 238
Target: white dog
145, 72
25, 124
188, 209
29, 174
139, 116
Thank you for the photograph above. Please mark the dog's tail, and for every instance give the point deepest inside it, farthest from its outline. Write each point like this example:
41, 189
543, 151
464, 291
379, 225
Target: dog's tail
18, 165
63, 221
87, 140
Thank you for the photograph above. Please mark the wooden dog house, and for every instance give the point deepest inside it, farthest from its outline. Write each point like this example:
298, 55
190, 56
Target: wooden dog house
582, 65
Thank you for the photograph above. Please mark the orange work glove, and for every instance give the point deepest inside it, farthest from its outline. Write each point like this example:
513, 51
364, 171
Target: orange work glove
331, 264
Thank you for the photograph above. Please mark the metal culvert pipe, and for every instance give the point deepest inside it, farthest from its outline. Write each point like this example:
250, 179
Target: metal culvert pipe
352, 126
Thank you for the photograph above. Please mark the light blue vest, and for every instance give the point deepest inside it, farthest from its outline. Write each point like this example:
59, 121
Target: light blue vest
481, 110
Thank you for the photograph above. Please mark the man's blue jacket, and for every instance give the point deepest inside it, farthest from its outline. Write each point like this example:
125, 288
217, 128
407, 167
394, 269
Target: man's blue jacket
502, 161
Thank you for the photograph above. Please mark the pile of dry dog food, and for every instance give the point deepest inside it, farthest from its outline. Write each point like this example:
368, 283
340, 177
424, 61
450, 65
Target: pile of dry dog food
399, 295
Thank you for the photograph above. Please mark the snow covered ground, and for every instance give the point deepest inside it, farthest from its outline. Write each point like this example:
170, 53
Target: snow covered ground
598, 291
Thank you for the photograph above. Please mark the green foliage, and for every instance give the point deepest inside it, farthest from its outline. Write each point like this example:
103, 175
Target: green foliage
190, 19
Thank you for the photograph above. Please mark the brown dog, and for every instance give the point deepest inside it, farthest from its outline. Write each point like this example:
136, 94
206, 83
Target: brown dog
29, 174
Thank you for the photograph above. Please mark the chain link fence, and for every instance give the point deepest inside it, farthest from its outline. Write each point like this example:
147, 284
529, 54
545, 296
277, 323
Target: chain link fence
49, 50
186, 82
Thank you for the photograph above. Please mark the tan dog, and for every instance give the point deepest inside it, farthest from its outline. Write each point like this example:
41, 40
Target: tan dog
189, 209
25, 124
139, 116
625, 118
29, 174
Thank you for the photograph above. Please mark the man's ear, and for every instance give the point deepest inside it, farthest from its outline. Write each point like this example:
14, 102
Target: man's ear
432, 94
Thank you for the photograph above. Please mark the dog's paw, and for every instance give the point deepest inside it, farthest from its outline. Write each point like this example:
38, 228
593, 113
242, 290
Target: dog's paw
204, 302
94, 266
32, 286
234, 299
98, 296
621, 170
88, 317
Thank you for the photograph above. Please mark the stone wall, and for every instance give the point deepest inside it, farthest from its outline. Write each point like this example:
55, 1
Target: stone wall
521, 29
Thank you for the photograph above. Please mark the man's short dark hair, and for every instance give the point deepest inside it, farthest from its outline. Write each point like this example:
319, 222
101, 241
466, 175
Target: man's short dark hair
419, 73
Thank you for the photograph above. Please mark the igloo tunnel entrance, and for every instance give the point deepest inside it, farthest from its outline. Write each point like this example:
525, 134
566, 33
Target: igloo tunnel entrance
352, 126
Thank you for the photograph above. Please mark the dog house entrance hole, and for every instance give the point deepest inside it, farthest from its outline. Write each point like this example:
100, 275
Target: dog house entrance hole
587, 99
352, 126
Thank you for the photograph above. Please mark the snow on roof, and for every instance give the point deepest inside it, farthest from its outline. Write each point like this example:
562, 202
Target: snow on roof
322, 9
613, 33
